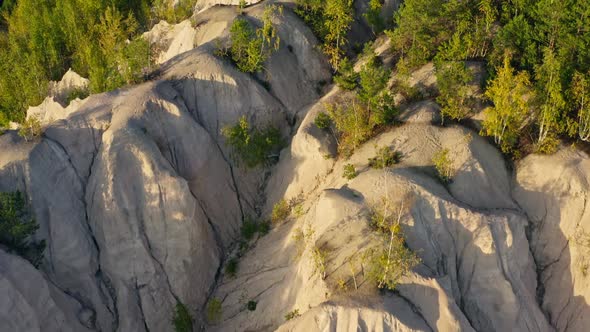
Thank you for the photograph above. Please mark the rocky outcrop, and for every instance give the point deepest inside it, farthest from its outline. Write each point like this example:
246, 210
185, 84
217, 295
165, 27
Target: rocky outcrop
32, 303
59, 104
141, 202
122, 186
553, 191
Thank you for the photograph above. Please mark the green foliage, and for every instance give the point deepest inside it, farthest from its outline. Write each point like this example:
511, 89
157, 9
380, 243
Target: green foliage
45, 38
264, 227
251, 306
386, 157
318, 257
551, 98
249, 229
280, 212
252, 146
511, 94
391, 259
330, 20
182, 320
214, 311
581, 96
292, 314
374, 93
338, 17
323, 121
30, 128
251, 48
172, 11
444, 165
352, 123
455, 98
373, 16
349, 172
346, 78
17, 228
231, 269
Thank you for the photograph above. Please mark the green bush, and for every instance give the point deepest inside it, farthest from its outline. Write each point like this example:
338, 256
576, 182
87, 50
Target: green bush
264, 228
249, 229
444, 165
251, 48
386, 157
252, 146
322, 121
346, 78
30, 129
455, 96
214, 311
231, 269
292, 314
251, 306
17, 228
182, 320
349, 172
280, 212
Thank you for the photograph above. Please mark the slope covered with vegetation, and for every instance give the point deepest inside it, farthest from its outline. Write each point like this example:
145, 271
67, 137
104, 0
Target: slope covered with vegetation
40, 40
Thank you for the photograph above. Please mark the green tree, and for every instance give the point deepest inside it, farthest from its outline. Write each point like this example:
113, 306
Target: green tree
391, 259
552, 102
252, 146
352, 125
251, 48
510, 93
581, 96
347, 78
455, 96
373, 16
338, 17
17, 228
374, 93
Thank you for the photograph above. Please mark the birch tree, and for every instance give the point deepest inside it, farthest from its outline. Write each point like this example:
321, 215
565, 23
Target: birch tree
510, 93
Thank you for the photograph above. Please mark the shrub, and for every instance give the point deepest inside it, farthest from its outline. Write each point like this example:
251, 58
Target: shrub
386, 157
182, 320
251, 48
292, 314
349, 172
251, 305
444, 165
30, 129
323, 121
17, 228
264, 228
319, 262
280, 212
249, 229
252, 146
214, 311
232, 267
346, 78
352, 123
